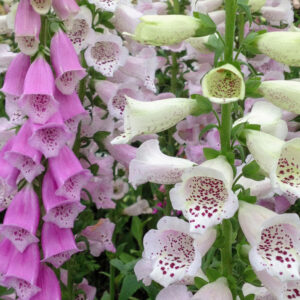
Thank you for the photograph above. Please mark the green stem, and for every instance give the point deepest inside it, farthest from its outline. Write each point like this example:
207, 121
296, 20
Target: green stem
82, 84
176, 7
112, 282
230, 8
241, 28
225, 130
70, 282
44, 31
226, 254
174, 74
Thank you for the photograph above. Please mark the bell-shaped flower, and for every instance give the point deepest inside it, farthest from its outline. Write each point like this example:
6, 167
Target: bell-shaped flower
282, 93
160, 30
151, 165
152, 117
41, 6
14, 112
23, 271
106, 54
214, 291
71, 109
24, 157
65, 63
50, 137
268, 116
37, 100
90, 291
21, 219
58, 244
204, 195
7, 252
141, 206
106, 5
27, 28
174, 292
59, 210
224, 84
280, 45
48, 283
274, 240
14, 77
79, 29
205, 6
171, 252
65, 8
100, 236
68, 173
256, 5
278, 158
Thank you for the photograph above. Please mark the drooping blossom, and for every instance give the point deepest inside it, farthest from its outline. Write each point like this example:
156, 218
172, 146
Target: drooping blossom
151, 165
205, 6
141, 206
106, 5
41, 6
205, 195
171, 253
65, 8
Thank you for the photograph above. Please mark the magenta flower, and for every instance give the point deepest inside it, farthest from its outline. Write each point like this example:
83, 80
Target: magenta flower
21, 219
50, 137
90, 291
59, 210
27, 28
49, 285
99, 236
65, 63
23, 271
24, 157
65, 8
37, 100
58, 244
7, 251
68, 173
41, 6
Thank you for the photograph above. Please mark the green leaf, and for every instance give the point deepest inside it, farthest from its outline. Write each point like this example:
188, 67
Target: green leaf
206, 129
249, 275
243, 5
204, 106
253, 171
210, 153
207, 26
212, 274
216, 45
250, 297
137, 230
249, 43
245, 195
199, 282
252, 86
119, 265
129, 286
105, 296
99, 136
94, 169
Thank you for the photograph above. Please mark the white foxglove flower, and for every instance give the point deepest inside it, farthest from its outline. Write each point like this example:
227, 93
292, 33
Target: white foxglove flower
171, 252
279, 159
199, 43
152, 117
151, 165
107, 54
282, 93
6, 57
224, 84
205, 196
106, 5
174, 292
79, 29
141, 206
256, 5
274, 240
268, 116
205, 6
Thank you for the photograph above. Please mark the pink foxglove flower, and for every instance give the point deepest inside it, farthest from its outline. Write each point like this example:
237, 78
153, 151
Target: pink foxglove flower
268, 116
120, 189
41, 6
22, 218
152, 117
50, 137
106, 5
71, 109
205, 196
7, 252
278, 158
90, 291
65, 8
23, 271
48, 283
37, 100
107, 54
79, 29
152, 165
68, 174
24, 157
59, 210
141, 206
99, 236
216, 290
65, 63
171, 253
27, 28
274, 240
58, 244
175, 292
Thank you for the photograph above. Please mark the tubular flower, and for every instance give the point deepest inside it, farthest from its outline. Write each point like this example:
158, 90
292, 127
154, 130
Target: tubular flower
224, 85
65, 8
160, 30
171, 252
41, 6
275, 240
205, 195
152, 117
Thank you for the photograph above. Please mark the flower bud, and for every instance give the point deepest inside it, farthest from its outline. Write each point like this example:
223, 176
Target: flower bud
256, 5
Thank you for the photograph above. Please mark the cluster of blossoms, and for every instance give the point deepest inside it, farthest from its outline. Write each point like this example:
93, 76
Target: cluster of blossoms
88, 81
